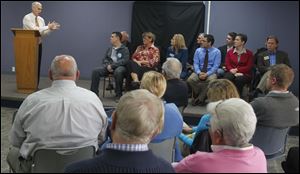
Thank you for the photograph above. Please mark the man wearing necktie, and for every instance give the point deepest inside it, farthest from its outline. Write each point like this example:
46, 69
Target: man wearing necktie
267, 59
33, 21
207, 59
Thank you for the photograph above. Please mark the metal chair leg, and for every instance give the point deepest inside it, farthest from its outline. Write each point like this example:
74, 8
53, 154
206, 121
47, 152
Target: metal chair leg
104, 87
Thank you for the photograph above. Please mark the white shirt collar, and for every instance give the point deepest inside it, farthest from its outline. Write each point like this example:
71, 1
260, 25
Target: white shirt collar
64, 83
217, 148
279, 92
240, 52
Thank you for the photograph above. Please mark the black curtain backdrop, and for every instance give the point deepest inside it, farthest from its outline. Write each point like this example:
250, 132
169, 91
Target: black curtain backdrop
165, 19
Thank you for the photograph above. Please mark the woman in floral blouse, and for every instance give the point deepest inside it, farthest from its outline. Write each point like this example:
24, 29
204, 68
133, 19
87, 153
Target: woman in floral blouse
145, 58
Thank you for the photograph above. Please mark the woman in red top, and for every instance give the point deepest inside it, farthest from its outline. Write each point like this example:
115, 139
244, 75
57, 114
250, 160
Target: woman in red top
239, 62
145, 58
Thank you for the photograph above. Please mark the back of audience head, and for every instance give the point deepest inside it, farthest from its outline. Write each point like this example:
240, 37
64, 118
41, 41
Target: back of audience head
172, 68
63, 67
221, 89
138, 117
280, 78
154, 82
233, 122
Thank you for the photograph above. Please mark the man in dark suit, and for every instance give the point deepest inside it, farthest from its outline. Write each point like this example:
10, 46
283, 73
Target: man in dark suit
267, 59
229, 45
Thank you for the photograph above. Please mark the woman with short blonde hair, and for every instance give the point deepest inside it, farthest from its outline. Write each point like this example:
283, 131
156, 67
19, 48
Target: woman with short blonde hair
218, 89
221, 89
156, 83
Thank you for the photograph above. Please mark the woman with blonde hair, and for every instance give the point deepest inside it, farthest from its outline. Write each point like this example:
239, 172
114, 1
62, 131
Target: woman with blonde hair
156, 83
179, 50
219, 89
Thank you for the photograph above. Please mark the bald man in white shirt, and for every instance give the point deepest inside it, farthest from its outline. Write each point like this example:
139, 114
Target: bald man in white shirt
62, 116
33, 21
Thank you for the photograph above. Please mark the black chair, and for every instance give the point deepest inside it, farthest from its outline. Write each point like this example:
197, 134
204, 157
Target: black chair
108, 78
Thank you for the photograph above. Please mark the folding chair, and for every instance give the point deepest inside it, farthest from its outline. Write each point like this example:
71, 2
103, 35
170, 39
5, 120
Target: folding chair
164, 149
55, 160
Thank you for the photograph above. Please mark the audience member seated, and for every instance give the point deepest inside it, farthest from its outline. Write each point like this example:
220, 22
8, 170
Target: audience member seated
219, 89
115, 60
207, 59
224, 49
125, 41
139, 116
232, 125
156, 84
61, 116
177, 90
279, 108
266, 60
145, 58
239, 63
179, 51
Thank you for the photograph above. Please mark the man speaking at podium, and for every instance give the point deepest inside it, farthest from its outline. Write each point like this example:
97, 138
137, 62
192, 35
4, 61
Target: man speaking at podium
33, 21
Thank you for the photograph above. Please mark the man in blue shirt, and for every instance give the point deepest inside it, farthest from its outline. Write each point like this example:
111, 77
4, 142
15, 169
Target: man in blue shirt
207, 59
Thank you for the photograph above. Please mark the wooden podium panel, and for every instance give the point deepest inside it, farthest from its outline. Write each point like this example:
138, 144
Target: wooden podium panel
26, 46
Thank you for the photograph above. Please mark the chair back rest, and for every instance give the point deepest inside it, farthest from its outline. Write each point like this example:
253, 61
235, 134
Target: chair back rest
164, 149
270, 140
55, 160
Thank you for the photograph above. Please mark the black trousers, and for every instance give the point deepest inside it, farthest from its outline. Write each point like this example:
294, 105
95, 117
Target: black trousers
133, 67
239, 81
119, 75
39, 62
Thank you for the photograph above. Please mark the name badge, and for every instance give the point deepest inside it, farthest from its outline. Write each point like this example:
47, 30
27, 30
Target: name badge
119, 55
266, 58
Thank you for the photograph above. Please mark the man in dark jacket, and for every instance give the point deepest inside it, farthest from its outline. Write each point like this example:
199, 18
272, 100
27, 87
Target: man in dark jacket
267, 59
116, 58
229, 45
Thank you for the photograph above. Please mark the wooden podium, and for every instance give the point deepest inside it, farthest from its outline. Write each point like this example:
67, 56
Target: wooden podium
26, 48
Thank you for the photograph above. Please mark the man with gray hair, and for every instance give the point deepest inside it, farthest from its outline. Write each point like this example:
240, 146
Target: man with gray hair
232, 125
33, 21
177, 90
137, 119
61, 116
